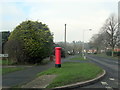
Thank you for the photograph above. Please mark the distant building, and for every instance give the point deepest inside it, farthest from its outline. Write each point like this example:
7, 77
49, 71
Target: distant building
3, 39
92, 51
117, 49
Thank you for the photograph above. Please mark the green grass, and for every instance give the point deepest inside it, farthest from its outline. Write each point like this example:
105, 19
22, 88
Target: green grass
5, 62
78, 58
72, 72
11, 69
104, 55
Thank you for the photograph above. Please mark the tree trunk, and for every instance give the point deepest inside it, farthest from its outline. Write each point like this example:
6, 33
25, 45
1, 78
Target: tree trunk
112, 52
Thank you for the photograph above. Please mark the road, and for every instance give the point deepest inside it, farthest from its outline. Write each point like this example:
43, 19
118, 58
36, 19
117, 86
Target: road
27, 75
23, 76
111, 80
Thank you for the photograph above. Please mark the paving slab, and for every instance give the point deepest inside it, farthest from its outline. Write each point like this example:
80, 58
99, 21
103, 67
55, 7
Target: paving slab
40, 82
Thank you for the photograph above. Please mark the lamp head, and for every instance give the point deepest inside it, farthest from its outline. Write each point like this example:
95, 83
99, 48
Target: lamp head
90, 29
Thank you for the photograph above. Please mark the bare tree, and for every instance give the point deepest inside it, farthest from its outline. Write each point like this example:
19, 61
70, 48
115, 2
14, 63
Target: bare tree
118, 37
109, 35
111, 29
97, 42
15, 51
75, 46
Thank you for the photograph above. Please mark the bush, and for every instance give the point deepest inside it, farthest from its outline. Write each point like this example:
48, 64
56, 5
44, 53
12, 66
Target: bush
63, 53
62, 50
31, 41
117, 53
109, 53
15, 50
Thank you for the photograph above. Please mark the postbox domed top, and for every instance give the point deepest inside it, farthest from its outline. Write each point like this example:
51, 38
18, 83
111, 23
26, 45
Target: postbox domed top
58, 48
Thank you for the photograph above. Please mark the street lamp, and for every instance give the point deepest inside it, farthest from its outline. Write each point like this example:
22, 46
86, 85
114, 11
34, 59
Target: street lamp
65, 40
83, 52
65, 35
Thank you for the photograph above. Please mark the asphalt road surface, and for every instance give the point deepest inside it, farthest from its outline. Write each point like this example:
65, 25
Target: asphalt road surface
111, 81
23, 76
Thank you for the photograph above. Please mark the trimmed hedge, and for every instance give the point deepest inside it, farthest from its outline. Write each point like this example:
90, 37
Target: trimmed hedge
109, 53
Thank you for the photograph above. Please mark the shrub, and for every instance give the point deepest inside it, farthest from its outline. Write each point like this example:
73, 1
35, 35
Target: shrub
109, 53
31, 41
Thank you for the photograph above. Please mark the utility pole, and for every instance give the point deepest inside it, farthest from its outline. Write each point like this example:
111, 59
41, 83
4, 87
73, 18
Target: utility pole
83, 47
65, 40
65, 35
84, 52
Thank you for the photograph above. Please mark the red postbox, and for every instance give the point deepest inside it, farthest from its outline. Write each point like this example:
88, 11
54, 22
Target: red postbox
58, 56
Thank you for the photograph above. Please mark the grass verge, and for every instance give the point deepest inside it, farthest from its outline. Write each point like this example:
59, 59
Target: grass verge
72, 72
8, 70
78, 58
5, 62
104, 55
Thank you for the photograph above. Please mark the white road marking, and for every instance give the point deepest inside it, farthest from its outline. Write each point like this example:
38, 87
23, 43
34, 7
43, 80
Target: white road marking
112, 79
104, 83
109, 88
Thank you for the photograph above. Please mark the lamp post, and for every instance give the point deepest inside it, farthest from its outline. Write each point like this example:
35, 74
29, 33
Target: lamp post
83, 52
65, 40
65, 35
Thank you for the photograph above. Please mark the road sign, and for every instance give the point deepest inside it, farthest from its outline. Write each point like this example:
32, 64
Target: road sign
3, 55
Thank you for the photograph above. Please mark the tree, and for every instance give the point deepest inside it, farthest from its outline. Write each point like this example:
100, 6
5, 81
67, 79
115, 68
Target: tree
34, 39
15, 50
96, 42
111, 28
118, 39
73, 47
109, 35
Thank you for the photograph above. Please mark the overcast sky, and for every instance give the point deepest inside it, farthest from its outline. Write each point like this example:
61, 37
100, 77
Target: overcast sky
79, 15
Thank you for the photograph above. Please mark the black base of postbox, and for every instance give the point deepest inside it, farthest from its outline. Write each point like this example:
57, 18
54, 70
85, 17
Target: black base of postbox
57, 65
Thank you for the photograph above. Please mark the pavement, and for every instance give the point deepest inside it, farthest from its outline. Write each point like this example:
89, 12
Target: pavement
40, 82
23, 76
27, 78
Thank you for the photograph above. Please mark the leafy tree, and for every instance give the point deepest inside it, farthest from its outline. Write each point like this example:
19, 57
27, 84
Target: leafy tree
35, 40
